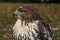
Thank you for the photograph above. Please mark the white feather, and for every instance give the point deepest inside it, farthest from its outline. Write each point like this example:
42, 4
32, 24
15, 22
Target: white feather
22, 29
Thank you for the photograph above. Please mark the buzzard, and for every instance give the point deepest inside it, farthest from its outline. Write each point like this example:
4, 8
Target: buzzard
29, 25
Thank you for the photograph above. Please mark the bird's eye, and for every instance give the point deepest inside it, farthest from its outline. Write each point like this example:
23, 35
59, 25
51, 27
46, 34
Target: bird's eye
21, 10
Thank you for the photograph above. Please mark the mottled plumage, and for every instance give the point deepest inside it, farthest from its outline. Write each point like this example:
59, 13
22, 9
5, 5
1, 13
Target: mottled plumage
30, 26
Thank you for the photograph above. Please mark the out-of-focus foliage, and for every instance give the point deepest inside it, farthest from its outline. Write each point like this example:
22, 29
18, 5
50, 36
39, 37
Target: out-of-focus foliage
29, 1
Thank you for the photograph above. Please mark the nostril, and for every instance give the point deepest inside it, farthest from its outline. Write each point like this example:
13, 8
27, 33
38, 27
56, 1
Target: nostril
13, 14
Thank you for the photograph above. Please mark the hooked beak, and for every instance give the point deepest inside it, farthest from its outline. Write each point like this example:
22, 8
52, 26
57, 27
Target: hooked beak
16, 13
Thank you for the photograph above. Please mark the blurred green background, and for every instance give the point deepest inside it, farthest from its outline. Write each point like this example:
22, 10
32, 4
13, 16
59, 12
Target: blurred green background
49, 12
29, 1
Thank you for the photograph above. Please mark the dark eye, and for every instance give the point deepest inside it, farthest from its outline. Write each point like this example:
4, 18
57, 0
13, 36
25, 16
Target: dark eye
20, 10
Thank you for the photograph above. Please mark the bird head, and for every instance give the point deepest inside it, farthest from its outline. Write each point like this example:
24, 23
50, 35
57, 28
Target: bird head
27, 12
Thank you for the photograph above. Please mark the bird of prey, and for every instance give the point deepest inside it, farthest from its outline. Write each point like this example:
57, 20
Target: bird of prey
29, 25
